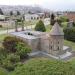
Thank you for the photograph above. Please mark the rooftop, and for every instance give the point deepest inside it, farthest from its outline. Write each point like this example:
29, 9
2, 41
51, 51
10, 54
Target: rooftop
56, 30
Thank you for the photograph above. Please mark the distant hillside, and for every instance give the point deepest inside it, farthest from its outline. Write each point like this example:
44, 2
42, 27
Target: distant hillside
23, 9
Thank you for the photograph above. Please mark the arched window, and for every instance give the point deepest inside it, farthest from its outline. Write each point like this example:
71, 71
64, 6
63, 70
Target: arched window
58, 48
58, 42
51, 47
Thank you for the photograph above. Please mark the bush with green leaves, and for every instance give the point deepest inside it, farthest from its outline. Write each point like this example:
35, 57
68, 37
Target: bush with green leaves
3, 54
69, 34
40, 26
13, 58
7, 64
10, 43
22, 50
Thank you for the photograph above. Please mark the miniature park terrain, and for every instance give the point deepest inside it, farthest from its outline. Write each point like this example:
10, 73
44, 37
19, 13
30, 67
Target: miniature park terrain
42, 50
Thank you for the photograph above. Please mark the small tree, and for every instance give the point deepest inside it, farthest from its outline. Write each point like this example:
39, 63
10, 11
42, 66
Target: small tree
52, 19
22, 20
40, 26
11, 13
18, 13
1, 12
16, 25
13, 58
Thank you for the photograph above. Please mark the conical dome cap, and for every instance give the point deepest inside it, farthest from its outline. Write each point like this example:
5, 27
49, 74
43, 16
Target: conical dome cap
56, 30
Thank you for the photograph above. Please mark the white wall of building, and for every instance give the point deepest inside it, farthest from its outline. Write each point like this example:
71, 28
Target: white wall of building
29, 17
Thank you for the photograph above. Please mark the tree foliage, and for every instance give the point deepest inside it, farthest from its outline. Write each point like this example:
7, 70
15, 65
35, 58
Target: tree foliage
18, 13
1, 12
11, 13
40, 26
52, 19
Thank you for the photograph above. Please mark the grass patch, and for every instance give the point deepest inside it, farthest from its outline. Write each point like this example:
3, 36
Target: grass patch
45, 66
69, 43
64, 24
48, 28
2, 36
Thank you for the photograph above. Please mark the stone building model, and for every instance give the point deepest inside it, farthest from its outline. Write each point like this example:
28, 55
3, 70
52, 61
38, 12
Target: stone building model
49, 44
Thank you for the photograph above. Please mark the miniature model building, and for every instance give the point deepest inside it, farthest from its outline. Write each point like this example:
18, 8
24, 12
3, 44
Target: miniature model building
50, 44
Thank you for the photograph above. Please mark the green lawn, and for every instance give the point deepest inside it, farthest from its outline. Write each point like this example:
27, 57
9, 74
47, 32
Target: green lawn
69, 43
45, 66
3, 71
32, 22
2, 36
64, 24
48, 28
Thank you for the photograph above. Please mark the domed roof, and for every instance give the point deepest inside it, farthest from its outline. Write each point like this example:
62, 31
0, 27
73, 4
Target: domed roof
56, 30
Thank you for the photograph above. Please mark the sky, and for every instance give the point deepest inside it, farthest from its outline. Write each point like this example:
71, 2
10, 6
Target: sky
49, 4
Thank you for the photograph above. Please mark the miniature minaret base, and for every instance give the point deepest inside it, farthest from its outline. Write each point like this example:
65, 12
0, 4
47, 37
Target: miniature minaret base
57, 38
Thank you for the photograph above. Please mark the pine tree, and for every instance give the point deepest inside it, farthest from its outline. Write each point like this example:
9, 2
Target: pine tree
40, 26
1, 12
11, 13
18, 13
52, 19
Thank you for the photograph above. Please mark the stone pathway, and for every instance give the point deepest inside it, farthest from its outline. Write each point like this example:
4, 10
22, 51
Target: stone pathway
42, 54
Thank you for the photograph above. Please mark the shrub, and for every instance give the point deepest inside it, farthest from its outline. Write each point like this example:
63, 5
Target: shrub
40, 26
69, 34
3, 54
10, 62
10, 43
8, 65
13, 58
23, 50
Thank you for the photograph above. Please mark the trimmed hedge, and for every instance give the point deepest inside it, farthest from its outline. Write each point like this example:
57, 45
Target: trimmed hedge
69, 34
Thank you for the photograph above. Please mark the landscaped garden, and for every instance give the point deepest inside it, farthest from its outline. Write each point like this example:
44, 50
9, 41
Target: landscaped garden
14, 59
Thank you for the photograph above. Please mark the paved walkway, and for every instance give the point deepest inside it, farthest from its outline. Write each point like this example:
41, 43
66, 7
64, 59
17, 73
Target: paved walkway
13, 30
